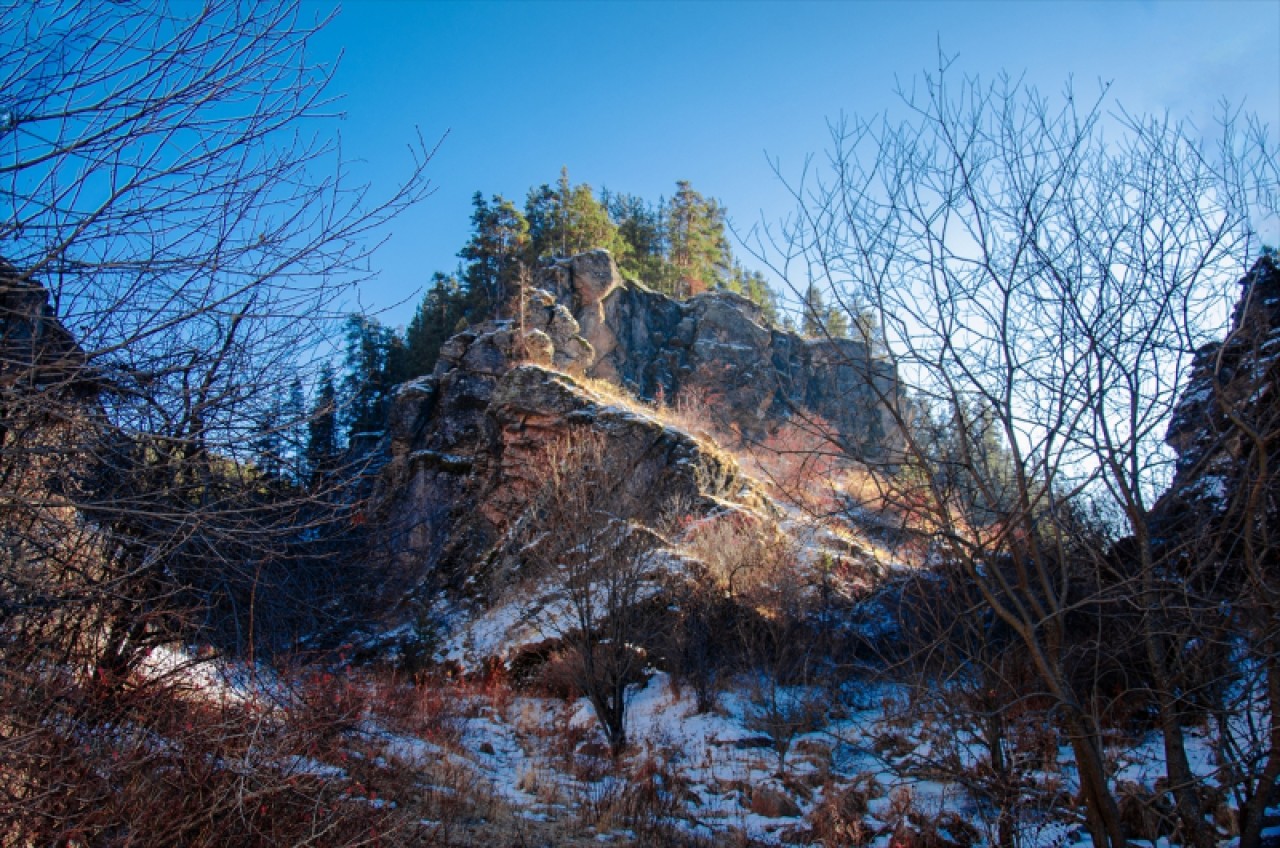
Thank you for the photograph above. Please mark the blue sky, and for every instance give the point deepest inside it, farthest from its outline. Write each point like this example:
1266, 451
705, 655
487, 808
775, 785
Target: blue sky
635, 95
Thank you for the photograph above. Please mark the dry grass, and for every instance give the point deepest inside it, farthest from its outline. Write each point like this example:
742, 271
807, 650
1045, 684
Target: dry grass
611, 394
840, 818
688, 415
800, 462
741, 552
328, 759
85, 768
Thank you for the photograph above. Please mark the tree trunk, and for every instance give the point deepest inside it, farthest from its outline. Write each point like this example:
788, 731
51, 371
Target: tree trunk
993, 730
1182, 782
1265, 790
1101, 810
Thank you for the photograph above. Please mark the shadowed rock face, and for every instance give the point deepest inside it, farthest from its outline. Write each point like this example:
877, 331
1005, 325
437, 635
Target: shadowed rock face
36, 351
1233, 383
463, 444
718, 350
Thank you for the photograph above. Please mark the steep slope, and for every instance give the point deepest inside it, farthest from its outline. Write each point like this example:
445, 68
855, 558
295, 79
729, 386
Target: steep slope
1230, 401
460, 457
464, 447
1215, 528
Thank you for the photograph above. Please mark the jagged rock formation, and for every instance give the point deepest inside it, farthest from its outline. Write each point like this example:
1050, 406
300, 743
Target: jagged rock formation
1215, 526
36, 351
1232, 390
461, 454
717, 348
51, 432
464, 447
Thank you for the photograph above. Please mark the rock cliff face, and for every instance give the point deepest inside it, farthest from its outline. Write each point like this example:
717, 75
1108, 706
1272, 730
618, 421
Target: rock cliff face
36, 351
465, 448
717, 349
1215, 531
461, 456
1234, 388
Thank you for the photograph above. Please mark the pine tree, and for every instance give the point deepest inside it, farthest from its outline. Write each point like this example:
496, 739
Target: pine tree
567, 220
499, 238
866, 325
974, 466
433, 322
395, 368
371, 363
268, 442
698, 247
322, 428
836, 323
293, 428
642, 238
813, 313
278, 435
754, 286
820, 321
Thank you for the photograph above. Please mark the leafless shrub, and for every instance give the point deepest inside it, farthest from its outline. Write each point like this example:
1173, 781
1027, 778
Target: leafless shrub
840, 818
604, 567
148, 768
1147, 815
174, 254
646, 797
1041, 288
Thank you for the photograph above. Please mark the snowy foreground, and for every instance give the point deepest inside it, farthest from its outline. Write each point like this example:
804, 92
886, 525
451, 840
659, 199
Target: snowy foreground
497, 764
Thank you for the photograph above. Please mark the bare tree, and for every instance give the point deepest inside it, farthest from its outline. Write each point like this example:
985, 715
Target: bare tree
976, 702
1059, 281
602, 566
177, 245
195, 243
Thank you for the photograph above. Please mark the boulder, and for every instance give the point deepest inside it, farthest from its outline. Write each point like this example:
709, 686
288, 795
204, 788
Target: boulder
556, 327
773, 803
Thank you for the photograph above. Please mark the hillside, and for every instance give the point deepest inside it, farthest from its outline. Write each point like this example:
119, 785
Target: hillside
461, 452
602, 628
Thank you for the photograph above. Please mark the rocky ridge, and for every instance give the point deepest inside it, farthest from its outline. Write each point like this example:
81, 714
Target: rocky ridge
1232, 389
460, 458
466, 444
718, 350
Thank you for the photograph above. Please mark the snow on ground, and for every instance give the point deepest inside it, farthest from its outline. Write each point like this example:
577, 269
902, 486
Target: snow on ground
720, 769
725, 769
212, 679
495, 632
715, 760
719, 764
718, 772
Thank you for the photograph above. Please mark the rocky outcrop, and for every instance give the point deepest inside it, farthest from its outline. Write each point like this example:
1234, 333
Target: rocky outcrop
466, 448
1234, 389
36, 350
1214, 531
718, 350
